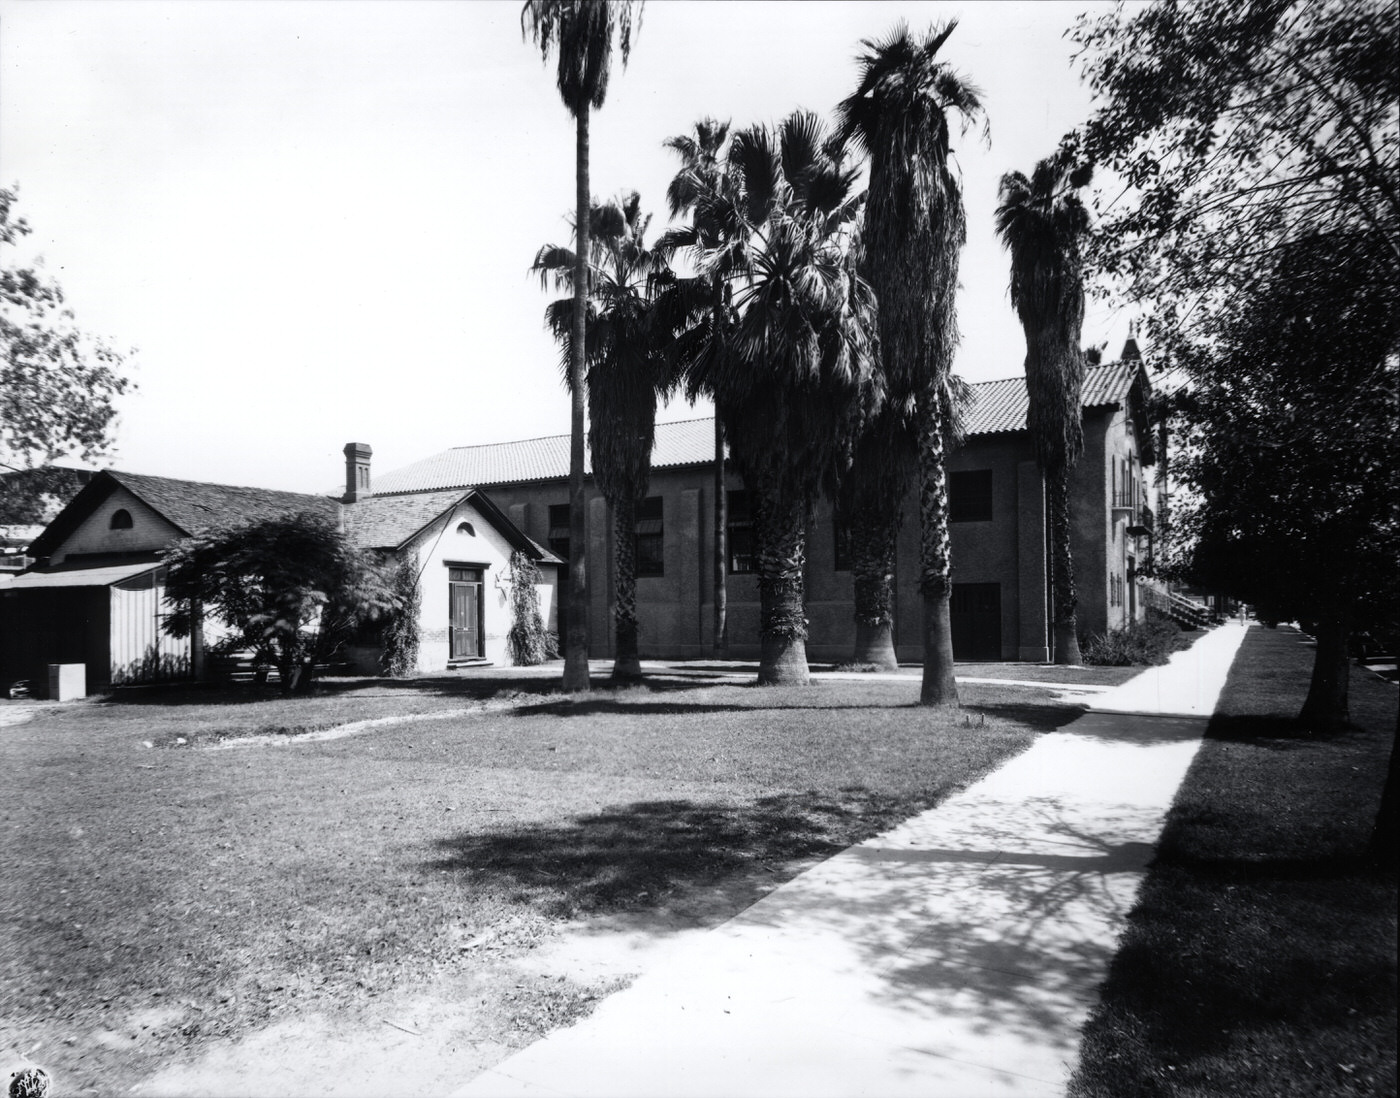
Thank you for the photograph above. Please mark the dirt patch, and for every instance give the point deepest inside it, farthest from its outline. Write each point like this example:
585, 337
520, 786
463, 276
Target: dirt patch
527, 978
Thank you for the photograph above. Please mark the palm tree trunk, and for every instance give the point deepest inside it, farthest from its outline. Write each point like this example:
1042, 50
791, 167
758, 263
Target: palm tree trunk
935, 553
627, 666
721, 547
1065, 599
873, 543
1326, 707
576, 639
781, 531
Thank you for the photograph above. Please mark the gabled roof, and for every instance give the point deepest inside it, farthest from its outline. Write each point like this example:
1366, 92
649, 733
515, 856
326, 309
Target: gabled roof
391, 522
996, 407
189, 505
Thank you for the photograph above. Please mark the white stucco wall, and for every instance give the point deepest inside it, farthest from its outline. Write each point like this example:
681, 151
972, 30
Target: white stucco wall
442, 546
149, 531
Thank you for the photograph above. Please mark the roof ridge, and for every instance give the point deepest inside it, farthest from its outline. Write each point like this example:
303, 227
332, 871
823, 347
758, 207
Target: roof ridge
117, 474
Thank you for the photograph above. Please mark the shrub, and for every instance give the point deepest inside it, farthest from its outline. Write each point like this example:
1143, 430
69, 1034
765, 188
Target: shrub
528, 640
1137, 644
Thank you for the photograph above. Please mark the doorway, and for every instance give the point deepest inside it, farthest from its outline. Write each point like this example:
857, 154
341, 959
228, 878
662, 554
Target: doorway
975, 609
465, 625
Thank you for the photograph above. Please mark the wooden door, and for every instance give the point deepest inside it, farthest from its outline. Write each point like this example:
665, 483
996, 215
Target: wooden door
464, 613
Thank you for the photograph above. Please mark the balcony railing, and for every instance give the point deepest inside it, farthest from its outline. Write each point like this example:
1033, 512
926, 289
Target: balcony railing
1141, 524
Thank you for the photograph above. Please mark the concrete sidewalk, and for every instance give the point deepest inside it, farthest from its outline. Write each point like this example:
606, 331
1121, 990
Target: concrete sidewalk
957, 955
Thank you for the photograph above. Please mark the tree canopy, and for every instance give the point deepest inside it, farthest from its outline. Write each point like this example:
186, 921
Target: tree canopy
58, 384
292, 589
1230, 130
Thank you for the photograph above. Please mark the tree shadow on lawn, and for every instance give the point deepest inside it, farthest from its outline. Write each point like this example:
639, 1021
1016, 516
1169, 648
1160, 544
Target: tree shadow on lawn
630, 857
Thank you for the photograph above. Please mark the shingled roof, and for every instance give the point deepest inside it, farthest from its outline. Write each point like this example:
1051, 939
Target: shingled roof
390, 522
191, 505
996, 407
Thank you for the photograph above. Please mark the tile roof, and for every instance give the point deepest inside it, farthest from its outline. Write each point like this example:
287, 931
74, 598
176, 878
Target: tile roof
194, 505
996, 407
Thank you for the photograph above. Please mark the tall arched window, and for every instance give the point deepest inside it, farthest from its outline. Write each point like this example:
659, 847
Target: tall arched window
121, 520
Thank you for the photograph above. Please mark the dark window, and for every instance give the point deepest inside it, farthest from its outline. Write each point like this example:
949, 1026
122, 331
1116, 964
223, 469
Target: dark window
841, 542
741, 551
559, 530
121, 520
650, 538
970, 496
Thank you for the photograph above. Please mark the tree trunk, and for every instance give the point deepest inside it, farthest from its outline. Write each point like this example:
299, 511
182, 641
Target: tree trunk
1325, 709
721, 547
873, 545
935, 553
627, 665
781, 531
1385, 836
576, 638
1064, 597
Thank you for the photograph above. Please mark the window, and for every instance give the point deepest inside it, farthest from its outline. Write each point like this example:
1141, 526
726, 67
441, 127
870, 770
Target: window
650, 538
466, 528
841, 542
121, 520
970, 496
741, 551
559, 530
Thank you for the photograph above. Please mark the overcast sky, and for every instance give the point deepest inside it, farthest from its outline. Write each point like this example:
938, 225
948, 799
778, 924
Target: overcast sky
313, 219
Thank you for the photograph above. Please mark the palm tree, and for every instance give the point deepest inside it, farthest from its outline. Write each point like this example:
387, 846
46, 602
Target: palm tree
870, 504
624, 378
703, 189
581, 33
1042, 221
913, 232
788, 380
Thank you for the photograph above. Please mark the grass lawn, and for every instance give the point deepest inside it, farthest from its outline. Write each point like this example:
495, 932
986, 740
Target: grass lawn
167, 888
1261, 958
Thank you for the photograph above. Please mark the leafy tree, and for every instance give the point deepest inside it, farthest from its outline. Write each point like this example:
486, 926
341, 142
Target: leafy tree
913, 233
1235, 129
1042, 221
1252, 140
626, 373
292, 589
581, 34
787, 379
58, 385
1287, 442
35, 496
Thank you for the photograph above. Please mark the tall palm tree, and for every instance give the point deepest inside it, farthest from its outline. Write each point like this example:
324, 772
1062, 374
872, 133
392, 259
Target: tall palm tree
581, 33
1043, 223
625, 375
702, 188
913, 233
789, 379
870, 503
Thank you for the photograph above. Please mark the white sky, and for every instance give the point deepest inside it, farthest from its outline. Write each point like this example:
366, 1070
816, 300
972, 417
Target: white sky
313, 219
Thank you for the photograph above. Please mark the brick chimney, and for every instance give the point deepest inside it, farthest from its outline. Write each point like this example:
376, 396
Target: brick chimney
357, 456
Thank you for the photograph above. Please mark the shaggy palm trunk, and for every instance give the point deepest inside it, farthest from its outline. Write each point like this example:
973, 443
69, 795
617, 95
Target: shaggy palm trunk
1065, 623
781, 531
935, 554
721, 546
1326, 707
873, 543
576, 638
627, 665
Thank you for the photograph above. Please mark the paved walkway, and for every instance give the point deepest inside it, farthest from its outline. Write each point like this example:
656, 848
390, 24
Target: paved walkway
957, 955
